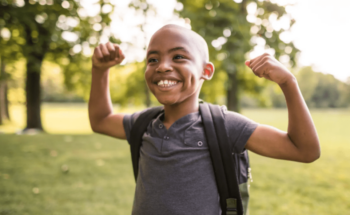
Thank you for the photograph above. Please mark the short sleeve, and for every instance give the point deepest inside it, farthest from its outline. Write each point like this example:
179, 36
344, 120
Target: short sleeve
239, 129
128, 122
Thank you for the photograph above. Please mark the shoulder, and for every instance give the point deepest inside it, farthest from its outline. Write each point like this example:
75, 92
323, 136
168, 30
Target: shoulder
232, 117
239, 128
131, 118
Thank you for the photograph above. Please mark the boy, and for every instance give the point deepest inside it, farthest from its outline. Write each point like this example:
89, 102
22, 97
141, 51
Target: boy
175, 170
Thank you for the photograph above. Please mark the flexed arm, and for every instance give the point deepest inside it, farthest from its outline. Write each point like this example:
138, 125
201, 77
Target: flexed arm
102, 119
301, 142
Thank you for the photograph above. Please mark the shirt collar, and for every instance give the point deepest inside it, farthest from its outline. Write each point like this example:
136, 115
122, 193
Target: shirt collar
183, 121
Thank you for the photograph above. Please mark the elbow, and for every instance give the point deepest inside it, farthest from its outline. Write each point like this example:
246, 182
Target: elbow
313, 156
95, 125
95, 128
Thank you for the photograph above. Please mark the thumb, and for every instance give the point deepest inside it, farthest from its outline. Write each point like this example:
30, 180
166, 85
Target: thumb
247, 62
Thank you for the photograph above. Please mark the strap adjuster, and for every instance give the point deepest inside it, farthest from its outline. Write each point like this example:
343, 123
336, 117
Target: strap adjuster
231, 206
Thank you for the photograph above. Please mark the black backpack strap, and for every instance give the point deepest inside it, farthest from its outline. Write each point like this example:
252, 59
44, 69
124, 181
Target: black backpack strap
215, 155
136, 133
234, 200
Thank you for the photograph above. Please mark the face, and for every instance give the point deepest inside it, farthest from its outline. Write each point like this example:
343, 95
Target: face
175, 68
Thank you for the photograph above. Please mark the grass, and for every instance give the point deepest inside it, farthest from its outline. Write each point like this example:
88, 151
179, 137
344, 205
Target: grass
65, 173
283, 187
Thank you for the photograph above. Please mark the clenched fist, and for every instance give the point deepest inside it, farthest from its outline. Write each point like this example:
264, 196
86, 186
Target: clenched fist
268, 67
106, 56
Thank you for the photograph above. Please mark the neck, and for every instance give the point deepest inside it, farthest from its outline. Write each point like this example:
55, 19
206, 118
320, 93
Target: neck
177, 111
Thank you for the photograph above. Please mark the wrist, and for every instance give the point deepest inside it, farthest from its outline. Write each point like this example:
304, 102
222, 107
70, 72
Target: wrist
99, 70
291, 81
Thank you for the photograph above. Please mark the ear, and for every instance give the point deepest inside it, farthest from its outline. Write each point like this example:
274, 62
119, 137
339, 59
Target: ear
208, 71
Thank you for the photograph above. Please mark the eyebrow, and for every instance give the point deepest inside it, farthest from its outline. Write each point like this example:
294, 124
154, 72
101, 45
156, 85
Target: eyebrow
171, 50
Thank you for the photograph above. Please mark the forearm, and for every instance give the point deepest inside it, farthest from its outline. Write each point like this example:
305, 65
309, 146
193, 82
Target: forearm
301, 129
100, 105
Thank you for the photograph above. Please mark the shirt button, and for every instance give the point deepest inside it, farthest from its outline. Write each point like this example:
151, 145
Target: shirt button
167, 138
160, 125
200, 143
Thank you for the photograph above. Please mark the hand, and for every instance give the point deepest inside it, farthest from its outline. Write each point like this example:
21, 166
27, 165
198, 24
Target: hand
268, 67
106, 56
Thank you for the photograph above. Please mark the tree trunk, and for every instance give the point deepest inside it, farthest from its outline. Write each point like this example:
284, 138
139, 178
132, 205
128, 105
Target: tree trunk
232, 92
35, 51
33, 93
7, 112
4, 114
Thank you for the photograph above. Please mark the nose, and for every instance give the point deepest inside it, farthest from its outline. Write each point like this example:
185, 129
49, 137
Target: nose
164, 66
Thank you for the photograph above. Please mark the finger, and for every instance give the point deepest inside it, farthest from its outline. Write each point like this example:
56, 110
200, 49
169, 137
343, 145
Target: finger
252, 61
260, 69
105, 52
98, 53
258, 60
117, 51
111, 50
247, 62
120, 56
261, 62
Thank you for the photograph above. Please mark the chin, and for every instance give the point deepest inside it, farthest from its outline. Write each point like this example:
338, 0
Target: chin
167, 100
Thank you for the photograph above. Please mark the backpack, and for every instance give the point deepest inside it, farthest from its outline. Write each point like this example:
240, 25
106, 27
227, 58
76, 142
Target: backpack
232, 170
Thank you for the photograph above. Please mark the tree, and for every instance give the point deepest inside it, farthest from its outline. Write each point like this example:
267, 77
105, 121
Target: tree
4, 112
144, 7
57, 30
9, 53
323, 90
231, 30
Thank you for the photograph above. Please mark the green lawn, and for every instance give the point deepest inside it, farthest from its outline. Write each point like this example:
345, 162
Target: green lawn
66, 173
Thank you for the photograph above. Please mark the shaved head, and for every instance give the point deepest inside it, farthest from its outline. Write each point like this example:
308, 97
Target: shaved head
180, 57
196, 40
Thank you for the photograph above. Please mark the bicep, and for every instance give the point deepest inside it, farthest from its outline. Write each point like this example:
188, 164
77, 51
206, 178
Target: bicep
271, 142
111, 125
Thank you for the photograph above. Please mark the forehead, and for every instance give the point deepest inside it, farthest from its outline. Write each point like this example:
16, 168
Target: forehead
168, 38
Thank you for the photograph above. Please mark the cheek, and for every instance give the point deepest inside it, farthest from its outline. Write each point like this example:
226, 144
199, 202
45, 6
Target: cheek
192, 77
147, 75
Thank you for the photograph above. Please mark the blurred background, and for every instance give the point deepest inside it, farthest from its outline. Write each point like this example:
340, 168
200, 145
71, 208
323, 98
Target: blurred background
52, 163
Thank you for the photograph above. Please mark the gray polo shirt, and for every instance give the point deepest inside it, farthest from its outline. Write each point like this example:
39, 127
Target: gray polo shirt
175, 171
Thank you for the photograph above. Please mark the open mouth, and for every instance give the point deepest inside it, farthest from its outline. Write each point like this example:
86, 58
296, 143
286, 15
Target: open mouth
166, 83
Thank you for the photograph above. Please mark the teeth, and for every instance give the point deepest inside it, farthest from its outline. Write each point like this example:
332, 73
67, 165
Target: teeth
166, 83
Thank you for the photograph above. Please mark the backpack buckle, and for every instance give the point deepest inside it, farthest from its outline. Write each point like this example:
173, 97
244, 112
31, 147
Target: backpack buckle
231, 206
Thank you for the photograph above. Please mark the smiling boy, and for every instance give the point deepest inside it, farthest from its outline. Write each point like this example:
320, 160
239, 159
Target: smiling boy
175, 173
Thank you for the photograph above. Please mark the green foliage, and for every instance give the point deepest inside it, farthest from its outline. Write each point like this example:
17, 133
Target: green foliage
224, 26
127, 84
319, 91
60, 31
323, 90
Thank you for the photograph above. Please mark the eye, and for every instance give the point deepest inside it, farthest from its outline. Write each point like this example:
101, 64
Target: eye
177, 57
152, 60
